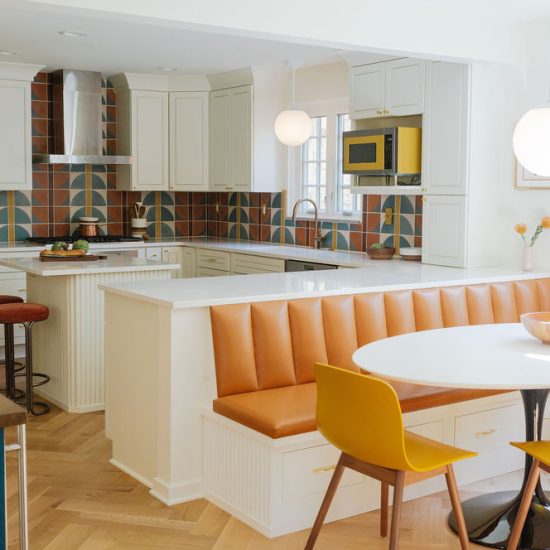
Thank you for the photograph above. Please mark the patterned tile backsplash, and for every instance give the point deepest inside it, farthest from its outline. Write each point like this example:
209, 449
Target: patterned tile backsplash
63, 193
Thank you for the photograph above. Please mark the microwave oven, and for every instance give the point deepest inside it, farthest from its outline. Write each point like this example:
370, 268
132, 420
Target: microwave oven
382, 152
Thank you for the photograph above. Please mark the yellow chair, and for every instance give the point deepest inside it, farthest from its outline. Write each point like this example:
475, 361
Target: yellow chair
540, 451
361, 416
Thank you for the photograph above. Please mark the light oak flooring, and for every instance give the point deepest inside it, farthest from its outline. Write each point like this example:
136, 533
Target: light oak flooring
78, 500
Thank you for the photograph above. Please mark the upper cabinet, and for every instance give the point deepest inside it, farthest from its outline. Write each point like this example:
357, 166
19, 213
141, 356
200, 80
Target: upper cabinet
231, 139
188, 115
390, 88
16, 126
445, 129
165, 129
143, 122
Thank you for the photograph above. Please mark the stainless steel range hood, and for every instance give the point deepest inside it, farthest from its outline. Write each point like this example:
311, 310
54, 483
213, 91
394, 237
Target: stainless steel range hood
77, 121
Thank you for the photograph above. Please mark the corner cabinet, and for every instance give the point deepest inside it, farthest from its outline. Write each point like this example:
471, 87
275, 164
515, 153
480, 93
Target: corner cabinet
231, 139
390, 88
142, 117
188, 141
16, 126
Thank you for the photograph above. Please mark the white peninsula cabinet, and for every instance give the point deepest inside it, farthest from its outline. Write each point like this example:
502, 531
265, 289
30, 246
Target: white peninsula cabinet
15, 126
163, 126
390, 88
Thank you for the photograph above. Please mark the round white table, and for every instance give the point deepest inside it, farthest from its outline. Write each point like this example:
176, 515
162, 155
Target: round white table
498, 357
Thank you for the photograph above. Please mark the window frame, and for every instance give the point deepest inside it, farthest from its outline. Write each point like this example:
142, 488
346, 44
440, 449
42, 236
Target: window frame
330, 109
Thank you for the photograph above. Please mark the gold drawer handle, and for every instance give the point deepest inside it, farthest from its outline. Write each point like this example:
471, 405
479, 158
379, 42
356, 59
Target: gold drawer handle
486, 432
211, 259
324, 469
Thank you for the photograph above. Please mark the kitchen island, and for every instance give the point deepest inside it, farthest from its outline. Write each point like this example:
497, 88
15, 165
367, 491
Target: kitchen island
69, 346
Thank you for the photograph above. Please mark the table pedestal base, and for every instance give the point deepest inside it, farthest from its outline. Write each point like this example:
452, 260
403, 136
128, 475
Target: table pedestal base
489, 519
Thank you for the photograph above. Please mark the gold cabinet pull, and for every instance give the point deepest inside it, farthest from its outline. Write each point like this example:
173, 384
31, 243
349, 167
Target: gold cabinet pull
324, 469
486, 432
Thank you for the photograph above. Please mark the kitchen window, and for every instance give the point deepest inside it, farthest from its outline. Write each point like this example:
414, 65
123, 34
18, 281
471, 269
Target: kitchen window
317, 167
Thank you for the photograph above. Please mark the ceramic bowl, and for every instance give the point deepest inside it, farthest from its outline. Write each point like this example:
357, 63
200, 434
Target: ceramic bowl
385, 253
537, 324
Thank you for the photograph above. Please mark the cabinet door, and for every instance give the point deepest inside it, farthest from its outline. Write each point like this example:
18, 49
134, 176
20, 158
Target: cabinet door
149, 140
445, 127
444, 230
405, 82
189, 141
367, 89
15, 135
240, 142
188, 262
220, 177
173, 255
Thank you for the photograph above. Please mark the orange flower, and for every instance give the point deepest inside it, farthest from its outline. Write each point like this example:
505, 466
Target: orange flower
545, 222
520, 228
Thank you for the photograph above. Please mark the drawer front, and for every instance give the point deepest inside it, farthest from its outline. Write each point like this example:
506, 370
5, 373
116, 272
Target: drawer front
154, 254
248, 263
208, 272
489, 430
213, 259
308, 471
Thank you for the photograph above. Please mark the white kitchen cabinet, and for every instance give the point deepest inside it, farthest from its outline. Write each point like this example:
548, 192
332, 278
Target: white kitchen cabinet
445, 129
391, 88
231, 139
142, 118
444, 227
154, 253
246, 264
15, 135
188, 141
173, 255
216, 260
367, 88
188, 262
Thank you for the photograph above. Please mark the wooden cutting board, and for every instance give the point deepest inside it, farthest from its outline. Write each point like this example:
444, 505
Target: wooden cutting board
86, 258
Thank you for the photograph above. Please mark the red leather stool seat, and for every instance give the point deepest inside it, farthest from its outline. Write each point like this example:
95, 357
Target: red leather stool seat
7, 299
22, 313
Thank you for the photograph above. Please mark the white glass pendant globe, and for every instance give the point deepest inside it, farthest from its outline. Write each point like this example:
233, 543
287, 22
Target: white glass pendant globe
531, 141
292, 127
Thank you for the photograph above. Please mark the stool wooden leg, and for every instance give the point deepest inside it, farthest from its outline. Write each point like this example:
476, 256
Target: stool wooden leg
457, 508
325, 505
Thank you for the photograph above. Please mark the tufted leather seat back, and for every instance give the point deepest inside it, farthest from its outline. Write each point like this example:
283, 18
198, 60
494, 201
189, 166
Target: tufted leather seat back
268, 345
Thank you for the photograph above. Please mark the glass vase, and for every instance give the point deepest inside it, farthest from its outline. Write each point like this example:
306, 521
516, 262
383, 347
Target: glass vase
527, 258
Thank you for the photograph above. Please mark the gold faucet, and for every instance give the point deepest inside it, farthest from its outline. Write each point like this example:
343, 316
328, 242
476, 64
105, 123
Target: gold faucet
317, 239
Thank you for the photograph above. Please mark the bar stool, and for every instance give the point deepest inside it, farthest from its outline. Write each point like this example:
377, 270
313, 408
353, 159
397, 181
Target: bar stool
27, 315
9, 351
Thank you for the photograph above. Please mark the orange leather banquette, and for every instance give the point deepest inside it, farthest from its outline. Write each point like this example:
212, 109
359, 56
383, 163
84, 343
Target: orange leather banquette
265, 351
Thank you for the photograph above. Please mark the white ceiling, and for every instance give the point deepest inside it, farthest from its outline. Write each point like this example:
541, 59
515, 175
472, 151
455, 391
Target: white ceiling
114, 46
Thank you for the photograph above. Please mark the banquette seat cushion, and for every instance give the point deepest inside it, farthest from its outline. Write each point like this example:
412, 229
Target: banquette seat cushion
265, 352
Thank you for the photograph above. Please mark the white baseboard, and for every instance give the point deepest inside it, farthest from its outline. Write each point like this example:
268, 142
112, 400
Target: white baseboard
171, 494
131, 473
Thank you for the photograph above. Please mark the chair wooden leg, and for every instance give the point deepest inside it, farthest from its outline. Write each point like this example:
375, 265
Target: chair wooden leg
384, 497
325, 505
524, 506
457, 508
396, 512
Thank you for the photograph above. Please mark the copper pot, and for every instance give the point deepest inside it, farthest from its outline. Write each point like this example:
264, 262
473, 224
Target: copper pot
89, 229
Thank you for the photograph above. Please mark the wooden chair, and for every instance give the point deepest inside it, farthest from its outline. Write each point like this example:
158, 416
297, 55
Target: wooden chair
361, 416
540, 451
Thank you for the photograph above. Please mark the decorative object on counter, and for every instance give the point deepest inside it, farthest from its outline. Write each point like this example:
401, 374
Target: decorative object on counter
89, 227
139, 222
537, 324
380, 252
521, 229
411, 254
78, 253
292, 126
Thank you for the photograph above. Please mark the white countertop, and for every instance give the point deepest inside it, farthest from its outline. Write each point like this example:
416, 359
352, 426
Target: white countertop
116, 264
493, 357
378, 276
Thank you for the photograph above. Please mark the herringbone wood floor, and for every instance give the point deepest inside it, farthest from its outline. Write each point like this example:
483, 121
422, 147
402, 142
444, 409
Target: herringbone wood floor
78, 500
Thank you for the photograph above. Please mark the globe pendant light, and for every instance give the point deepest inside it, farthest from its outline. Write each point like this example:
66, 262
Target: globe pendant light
292, 127
531, 140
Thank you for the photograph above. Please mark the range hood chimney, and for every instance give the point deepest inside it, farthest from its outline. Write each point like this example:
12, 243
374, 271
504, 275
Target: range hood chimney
77, 121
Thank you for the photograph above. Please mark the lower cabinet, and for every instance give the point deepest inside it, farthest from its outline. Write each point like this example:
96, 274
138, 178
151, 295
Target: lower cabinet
173, 255
188, 262
247, 264
212, 263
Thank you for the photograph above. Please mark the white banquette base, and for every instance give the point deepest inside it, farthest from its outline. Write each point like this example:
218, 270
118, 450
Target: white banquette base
276, 485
